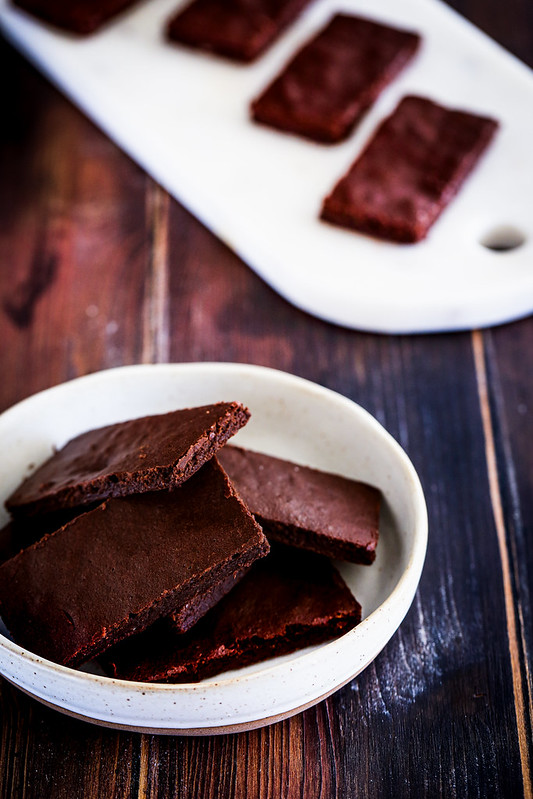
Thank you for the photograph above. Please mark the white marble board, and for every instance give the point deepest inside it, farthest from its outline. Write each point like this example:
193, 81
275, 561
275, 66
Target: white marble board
183, 116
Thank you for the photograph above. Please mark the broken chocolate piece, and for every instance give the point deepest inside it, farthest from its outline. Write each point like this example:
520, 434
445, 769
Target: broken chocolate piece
118, 568
289, 600
148, 454
305, 507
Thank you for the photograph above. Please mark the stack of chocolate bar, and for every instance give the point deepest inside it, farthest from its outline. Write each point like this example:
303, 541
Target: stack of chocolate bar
151, 550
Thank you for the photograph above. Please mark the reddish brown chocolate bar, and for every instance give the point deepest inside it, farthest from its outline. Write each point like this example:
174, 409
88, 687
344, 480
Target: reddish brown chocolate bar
307, 508
117, 569
82, 16
290, 599
326, 88
237, 29
409, 172
153, 453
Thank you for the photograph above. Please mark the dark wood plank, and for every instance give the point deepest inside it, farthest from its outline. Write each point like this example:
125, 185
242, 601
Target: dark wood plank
509, 368
510, 23
74, 238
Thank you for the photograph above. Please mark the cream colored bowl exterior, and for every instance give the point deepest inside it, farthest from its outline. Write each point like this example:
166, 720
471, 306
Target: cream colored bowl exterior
292, 418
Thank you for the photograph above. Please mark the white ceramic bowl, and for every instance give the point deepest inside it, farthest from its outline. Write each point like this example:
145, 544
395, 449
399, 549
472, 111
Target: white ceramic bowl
291, 418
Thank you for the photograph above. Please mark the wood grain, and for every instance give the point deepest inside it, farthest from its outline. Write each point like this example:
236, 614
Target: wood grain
156, 321
101, 268
520, 686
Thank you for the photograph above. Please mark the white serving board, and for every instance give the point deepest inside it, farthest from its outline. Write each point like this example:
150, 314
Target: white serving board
184, 117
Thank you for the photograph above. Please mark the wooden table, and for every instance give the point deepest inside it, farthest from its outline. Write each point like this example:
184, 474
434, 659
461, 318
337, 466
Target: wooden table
100, 268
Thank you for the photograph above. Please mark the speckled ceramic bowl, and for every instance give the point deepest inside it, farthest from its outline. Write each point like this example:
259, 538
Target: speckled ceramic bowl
291, 418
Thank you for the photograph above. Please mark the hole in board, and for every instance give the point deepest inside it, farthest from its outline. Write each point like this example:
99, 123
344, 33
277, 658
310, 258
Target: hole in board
503, 239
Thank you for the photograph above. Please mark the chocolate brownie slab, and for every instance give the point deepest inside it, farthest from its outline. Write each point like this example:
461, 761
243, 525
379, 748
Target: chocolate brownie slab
288, 600
147, 454
410, 171
118, 568
307, 508
326, 88
82, 16
237, 29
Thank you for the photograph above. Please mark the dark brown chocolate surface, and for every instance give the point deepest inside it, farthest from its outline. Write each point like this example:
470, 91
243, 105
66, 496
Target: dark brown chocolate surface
148, 454
76, 16
25, 531
116, 569
326, 88
290, 599
409, 172
237, 29
304, 507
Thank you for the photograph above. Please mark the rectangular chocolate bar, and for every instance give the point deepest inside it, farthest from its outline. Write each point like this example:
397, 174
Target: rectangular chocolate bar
288, 600
81, 16
118, 568
307, 508
237, 29
410, 171
327, 87
148, 454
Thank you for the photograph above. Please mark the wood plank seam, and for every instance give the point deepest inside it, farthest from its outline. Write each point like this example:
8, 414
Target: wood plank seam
155, 345
522, 601
519, 690
328, 712
143, 767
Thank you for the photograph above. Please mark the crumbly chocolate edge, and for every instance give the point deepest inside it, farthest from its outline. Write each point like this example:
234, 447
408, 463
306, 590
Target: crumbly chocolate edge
156, 479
